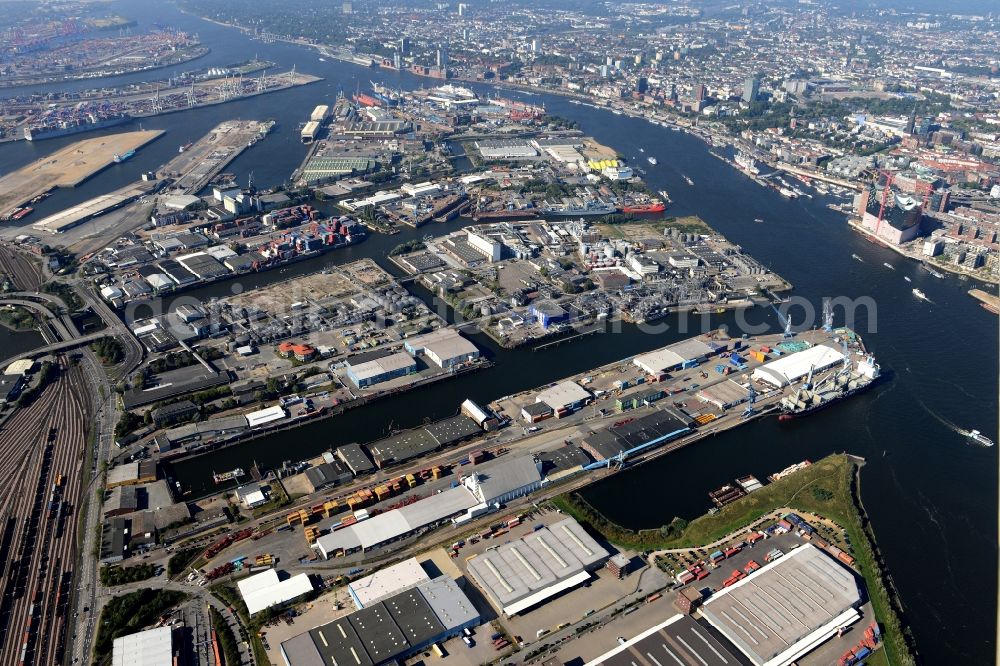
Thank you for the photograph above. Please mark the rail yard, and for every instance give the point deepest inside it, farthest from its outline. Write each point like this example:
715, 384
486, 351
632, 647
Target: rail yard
40, 465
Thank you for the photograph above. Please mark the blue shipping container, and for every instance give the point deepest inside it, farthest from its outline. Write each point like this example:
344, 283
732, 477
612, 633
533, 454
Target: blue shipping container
862, 653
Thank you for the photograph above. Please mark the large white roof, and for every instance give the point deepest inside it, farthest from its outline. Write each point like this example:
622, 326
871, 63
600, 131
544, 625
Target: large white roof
263, 416
671, 356
265, 589
146, 648
563, 394
786, 608
387, 582
788, 369
393, 524
525, 572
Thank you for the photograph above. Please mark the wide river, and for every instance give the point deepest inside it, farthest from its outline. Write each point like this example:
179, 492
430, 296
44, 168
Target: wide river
932, 496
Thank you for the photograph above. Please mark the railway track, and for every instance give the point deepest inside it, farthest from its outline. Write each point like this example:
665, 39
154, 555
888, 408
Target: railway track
41, 473
23, 272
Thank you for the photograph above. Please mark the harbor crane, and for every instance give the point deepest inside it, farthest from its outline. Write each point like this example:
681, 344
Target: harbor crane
785, 321
827, 316
751, 399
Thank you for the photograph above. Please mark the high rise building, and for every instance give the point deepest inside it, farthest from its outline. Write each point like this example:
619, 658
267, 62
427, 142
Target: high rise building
699, 92
751, 88
462, 7
536, 45
442, 57
642, 85
404, 45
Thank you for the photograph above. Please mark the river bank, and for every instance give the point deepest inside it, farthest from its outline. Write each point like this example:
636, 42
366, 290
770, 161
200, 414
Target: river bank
830, 487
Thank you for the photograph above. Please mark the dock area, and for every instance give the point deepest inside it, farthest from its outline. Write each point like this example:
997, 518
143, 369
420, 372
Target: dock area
68, 167
195, 166
76, 215
990, 302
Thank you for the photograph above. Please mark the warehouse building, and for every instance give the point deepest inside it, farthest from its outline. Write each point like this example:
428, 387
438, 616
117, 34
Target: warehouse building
724, 395
402, 447
789, 369
397, 523
445, 347
505, 149
659, 426
371, 371
266, 589
154, 647
787, 608
453, 430
504, 481
388, 631
387, 582
676, 640
564, 397
673, 356
263, 417
355, 458
133, 473
524, 573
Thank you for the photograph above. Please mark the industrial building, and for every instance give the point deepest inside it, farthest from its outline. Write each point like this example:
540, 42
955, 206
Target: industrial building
676, 640
366, 371
445, 347
528, 571
673, 356
396, 524
387, 582
388, 631
484, 490
787, 608
264, 590
564, 397
143, 471
505, 149
504, 481
154, 647
263, 417
788, 369
355, 458
639, 434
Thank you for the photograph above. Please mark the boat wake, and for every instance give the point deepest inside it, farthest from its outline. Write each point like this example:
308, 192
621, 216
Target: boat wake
948, 424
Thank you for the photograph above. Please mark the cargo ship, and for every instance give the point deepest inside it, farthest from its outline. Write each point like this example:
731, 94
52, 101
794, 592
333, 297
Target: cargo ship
842, 383
651, 207
124, 156
56, 128
572, 208
231, 475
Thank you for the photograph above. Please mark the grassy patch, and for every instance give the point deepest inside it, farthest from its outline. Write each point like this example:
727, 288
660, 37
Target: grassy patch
112, 576
825, 488
179, 561
130, 613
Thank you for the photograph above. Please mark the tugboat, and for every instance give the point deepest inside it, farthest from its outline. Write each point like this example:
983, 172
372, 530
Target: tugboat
231, 475
919, 294
980, 438
124, 156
